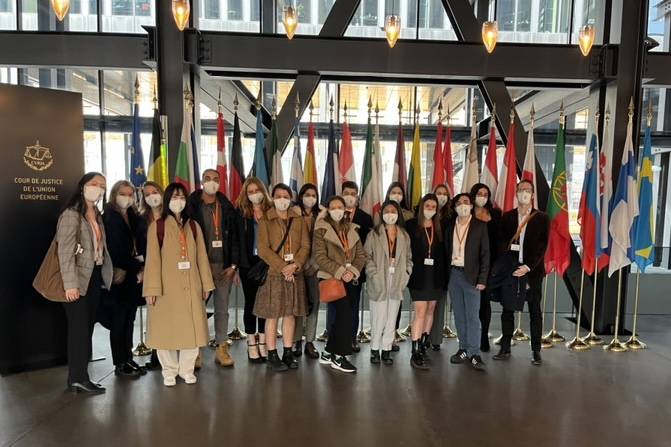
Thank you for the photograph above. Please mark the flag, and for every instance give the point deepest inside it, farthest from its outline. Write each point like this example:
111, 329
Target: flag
260, 166
505, 192
276, 175
529, 170
400, 172
371, 192
185, 171
606, 194
237, 177
310, 168
415, 175
329, 188
438, 165
137, 172
296, 177
558, 253
471, 174
346, 159
644, 248
158, 157
625, 208
448, 163
490, 170
222, 163
589, 212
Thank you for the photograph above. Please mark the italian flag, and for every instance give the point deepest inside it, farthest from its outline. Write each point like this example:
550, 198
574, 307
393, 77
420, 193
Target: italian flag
371, 188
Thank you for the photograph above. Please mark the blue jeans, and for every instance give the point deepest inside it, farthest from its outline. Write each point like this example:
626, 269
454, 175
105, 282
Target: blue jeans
466, 306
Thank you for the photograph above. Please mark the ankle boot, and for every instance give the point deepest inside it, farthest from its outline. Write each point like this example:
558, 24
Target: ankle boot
289, 359
423, 346
275, 363
416, 360
386, 358
375, 356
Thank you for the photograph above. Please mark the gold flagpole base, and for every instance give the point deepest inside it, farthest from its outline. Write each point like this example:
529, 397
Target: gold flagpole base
635, 344
213, 343
448, 332
577, 344
554, 337
323, 336
592, 339
141, 350
279, 333
546, 344
497, 341
237, 334
362, 337
407, 332
519, 335
399, 337
367, 331
616, 345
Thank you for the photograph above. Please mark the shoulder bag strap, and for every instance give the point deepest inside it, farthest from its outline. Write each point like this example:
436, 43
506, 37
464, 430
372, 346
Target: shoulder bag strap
525, 222
286, 235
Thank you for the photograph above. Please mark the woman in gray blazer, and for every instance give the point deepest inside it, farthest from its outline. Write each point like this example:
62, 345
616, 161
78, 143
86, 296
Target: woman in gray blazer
85, 267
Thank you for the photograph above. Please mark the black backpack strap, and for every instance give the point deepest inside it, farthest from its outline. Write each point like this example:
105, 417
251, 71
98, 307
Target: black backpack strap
286, 235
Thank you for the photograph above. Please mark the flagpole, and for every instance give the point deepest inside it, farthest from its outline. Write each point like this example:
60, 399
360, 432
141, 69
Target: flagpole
615, 344
447, 330
236, 333
545, 341
362, 337
553, 335
577, 344
141, 349
633, 342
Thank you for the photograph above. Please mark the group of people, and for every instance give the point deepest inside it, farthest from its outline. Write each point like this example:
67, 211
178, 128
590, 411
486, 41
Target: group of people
174, 250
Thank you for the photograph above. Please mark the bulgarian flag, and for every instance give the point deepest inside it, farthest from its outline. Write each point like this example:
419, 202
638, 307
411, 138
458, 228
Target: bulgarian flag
529, 170
310, 168
448, 164
415, 175
222, 164
370, 177
558, 254
346, 158
505, 193
186, 169
438, 158
490, 171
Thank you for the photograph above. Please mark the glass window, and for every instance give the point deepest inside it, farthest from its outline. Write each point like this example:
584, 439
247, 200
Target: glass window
129, 16
122, 7
142, 7
369, 13
506, 15
324, 9
76, 7
411, 14
304, 10
119, 92
255, 10
234, 10
92, 152
211, 9
6, 6
7, 15
523, 16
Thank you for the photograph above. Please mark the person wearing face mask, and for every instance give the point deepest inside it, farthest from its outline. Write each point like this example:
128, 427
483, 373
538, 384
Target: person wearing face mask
389, 267
306, 206
284, 244
86, 267
253, 203
339, 254
484, 211
427, 282
177, 281
524, 233
121, 229
396, 192
467, 248
216, 216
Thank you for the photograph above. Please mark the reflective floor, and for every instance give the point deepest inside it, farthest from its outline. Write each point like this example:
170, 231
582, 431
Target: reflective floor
575, 399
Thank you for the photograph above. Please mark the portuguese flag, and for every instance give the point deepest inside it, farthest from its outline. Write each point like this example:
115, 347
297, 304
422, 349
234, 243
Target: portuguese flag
558, 254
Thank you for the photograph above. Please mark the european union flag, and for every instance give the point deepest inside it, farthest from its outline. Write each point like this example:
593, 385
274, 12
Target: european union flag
138, 175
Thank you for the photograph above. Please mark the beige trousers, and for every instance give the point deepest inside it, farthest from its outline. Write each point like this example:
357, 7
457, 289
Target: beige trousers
180, 362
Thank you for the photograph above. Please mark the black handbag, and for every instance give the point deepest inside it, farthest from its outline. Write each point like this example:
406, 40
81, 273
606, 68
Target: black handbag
259, 271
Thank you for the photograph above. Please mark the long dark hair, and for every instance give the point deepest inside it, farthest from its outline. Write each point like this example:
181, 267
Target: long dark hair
453, 205
343, 225
169, 192
474, 193
299, 200
404, 203
400, 222
77, 200
436, 217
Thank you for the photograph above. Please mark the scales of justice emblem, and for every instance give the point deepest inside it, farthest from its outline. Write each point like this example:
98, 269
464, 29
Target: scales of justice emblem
38, 157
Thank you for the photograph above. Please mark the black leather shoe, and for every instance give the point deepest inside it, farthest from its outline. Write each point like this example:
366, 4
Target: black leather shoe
289, 359
502, 355
137, 367
536, 358
375, 357
435, 347
484, 345
310, 351
298, 349
386, 358
355, 346
275, 363
86, 388
395, 347
126, 371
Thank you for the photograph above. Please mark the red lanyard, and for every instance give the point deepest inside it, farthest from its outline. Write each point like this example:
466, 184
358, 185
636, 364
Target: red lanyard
184, 250
392, 246
345, 243
429, 239
216, 221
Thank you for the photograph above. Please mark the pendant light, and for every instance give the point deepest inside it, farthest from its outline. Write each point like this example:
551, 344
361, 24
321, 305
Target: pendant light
490, 35
392, 26
61, 8
586, 36
290, 21
181, 9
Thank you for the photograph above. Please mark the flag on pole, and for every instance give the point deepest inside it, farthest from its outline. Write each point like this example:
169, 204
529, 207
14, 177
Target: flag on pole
507, 185
296, 177
415, 175
625, 206
529, 170
310, 168
438, 165
237, 176
471, 174
558, 253
186, 169
448, 164
222, 159
329, 188
644, 246
346, 159
490, 170
589, 212
400, 172
370, 177
276, 175
137, 172
606, 193
158, 156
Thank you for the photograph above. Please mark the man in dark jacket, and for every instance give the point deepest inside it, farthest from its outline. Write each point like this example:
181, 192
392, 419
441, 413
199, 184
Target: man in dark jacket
216, 216
524, 231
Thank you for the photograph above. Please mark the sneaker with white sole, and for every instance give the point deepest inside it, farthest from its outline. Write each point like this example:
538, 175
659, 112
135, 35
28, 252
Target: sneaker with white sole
190, 379
169, 381
341, 363
325, 358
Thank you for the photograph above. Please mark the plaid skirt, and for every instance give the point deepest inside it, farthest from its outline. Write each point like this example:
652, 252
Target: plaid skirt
277, 298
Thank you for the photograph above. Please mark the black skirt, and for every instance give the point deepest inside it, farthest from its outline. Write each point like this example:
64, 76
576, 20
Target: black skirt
428, 292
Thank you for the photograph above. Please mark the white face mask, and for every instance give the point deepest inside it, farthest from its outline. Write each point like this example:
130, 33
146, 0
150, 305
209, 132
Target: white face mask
442, 200
390, 218
211, 187
124, 202
524, 197
255, 198
282, 204
481, 201
464, 210
93, 193
428, 214
336, 215
396, 197
350, 201
154, 200
177, 205
309, 201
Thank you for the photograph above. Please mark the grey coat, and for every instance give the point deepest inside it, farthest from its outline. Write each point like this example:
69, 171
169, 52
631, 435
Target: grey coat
378, 286
76, 270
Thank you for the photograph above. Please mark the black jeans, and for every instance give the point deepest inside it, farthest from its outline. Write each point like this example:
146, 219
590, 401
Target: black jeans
122, 324
340, 330
485, 318
535, 317
81, 317
356, 301
252, 323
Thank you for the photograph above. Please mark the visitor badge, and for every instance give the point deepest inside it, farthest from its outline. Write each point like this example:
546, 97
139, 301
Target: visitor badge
289, 257
392, 270
139, 258
514, 247
428, 261
217, 244
458, 261
348, 265
184, 265
255, 252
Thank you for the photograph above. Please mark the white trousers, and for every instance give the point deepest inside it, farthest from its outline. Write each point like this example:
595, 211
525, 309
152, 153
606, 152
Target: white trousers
383, 323
174, 362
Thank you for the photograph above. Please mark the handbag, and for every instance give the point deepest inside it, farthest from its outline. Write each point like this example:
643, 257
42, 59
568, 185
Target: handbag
331, 290
259, 271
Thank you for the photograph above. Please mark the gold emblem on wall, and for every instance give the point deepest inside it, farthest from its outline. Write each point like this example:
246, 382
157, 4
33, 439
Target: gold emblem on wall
38, 157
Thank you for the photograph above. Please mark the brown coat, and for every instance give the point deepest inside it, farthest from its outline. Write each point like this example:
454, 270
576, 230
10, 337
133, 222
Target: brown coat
271, 232
330, 253
178, 319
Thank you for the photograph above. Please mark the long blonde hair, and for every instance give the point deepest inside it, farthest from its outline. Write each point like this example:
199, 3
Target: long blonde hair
114, 192
245, 206
145, 210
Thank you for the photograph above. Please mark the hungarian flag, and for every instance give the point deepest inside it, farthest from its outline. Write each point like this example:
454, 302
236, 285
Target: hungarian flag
490, 170
448, 164
589, 216
296, 177
260, 166
644, 246
558, 254
400, 172
471, 174
370, 177
310, 168
222, 163
137, 172
606, 193
237, 177
415, 176
505, 192
529, 170
438, 165
329, 188
158, 157
186, 171
346, 159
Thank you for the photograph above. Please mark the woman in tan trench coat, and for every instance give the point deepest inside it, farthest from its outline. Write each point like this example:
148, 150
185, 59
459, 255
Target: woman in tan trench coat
177, 280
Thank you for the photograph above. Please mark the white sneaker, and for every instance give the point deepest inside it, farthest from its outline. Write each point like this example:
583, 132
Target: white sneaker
169, 381
190, 379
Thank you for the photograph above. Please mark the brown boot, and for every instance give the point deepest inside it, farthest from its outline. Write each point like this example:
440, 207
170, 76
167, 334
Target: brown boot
223, 357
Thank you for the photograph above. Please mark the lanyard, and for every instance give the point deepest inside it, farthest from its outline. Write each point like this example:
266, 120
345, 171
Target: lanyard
96, 228
345, 243
287, 245
392, 246
184, 251
216, 220
429, 239
462, 236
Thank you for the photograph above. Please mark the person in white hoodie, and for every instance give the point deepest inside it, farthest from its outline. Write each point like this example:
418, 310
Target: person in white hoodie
388, 267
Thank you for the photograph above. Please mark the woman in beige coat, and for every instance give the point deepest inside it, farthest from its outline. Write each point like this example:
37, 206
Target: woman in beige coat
177, 280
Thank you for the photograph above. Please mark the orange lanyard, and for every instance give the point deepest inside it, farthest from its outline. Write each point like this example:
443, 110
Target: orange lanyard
345, 243
392, 246
184, 251
96, 228
429, 239
216, 221
461, 237
287, 246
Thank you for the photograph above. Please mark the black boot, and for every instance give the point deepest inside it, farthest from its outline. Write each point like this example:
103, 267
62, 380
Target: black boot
484, 342
424, 344
416, 360
375, 357
275, 363
386, 358
298, 348
289, 359
355, 345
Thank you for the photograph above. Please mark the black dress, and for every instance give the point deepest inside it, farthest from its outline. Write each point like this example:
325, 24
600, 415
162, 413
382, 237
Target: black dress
427, 283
